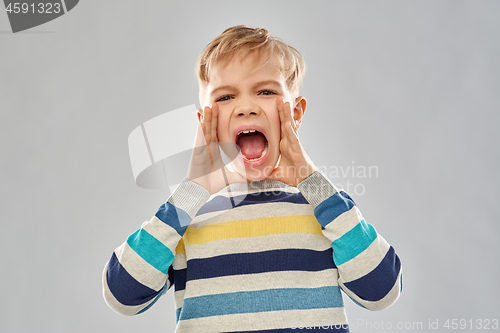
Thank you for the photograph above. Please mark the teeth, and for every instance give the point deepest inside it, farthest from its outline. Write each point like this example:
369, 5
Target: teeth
247, 131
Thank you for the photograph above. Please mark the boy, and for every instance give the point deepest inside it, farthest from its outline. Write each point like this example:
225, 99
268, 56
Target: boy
267, 243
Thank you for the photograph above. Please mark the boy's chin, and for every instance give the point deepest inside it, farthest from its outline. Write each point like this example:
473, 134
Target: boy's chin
250, 177
253, 173
257, 173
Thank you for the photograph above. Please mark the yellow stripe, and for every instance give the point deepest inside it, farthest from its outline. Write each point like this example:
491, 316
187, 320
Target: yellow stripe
180, 247
253, 228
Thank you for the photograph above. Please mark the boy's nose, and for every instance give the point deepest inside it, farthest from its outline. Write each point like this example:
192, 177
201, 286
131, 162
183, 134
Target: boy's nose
246, 107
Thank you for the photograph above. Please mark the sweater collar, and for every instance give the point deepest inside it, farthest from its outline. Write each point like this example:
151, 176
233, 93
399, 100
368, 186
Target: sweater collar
258, 185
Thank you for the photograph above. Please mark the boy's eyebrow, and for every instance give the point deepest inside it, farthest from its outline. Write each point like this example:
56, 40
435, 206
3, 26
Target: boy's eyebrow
266, 82
260, 83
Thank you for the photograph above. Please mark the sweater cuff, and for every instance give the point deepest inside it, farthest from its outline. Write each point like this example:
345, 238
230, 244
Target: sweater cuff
317, 188
189, 197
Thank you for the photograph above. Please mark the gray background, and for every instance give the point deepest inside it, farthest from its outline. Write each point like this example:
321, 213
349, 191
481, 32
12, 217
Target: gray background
411, 87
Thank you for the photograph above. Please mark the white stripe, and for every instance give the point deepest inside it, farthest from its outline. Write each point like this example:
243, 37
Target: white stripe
257, 244
343, 224
261, 281
179, 261
263, 320
179, 298
163, 233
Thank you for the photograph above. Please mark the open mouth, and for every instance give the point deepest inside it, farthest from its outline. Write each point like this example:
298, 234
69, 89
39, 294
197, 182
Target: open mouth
253, 145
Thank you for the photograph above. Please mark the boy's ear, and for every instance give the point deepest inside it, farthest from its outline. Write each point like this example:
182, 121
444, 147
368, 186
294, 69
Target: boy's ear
199, 113
299, 110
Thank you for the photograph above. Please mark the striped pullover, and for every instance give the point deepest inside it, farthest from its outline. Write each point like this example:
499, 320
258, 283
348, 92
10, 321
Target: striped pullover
256, 257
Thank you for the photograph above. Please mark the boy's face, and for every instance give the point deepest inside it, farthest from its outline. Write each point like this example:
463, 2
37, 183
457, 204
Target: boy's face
247, 101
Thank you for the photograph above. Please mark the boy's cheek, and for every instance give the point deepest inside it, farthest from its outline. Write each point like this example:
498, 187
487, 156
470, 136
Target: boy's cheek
223, 128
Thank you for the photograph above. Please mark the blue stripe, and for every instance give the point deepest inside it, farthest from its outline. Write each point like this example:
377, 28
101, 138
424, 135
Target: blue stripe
261, 301
177, 314
126, 289
221, 203
376, 284
174, 217
180, 279
171, 276
274, 196
151, 250
331, 208
260, 262
353, 242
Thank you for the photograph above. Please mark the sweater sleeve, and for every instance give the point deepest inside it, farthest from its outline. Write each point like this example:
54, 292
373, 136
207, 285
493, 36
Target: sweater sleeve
139, 271
369, 268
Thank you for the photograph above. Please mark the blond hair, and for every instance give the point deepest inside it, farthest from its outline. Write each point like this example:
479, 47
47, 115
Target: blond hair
244, 39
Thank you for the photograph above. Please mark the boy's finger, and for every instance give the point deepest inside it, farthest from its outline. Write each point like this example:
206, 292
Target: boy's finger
207, 121
293, 138
216, 152
289, 119
288, 122
292, 119
202, 138
215, 117
288, 112
279, 104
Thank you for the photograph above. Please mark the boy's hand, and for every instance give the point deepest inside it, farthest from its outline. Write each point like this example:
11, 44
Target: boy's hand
206, 167
294, 165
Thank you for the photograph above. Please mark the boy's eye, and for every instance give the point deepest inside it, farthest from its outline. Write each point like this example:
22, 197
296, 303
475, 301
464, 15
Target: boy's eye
224, 98
267, 92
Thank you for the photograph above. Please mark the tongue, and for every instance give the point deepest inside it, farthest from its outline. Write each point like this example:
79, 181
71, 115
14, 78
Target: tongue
252, 145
